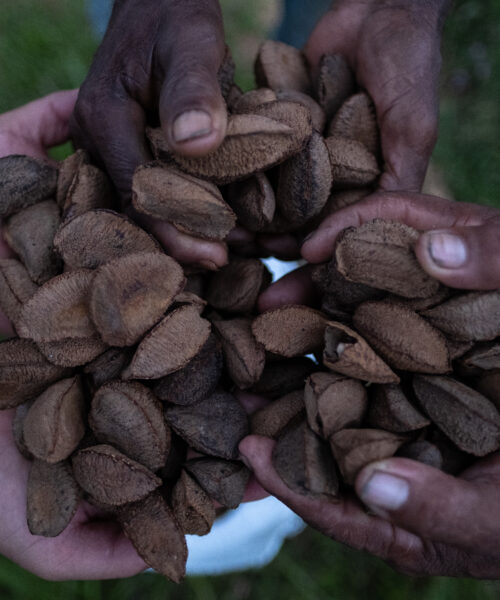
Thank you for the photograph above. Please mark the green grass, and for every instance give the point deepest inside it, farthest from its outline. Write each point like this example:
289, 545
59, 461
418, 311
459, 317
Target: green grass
310, 567
468, 150
46, 46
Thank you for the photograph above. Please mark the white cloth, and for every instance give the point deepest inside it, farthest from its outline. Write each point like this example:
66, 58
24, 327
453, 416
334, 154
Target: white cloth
248, 537
252, 535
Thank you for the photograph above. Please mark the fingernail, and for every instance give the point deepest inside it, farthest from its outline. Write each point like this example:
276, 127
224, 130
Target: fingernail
448, 251
208, 264
385, 491
191, 124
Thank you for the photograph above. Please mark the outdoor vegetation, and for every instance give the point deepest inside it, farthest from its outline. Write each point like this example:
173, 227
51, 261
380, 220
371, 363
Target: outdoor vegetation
47, 46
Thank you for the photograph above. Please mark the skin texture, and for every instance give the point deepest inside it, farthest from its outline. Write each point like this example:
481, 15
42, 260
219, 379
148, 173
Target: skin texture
452, 531
157, 67
157, 57
477, 227
91, 547
393, 49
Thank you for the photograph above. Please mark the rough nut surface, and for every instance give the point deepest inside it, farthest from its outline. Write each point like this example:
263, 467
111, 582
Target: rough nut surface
193, 205
175, 341
214, 426
130, 418
129, 295
97, 236
55, 423
290, 330
24, 181
52, 498
402, 337
110, 477
156, 535
380, 254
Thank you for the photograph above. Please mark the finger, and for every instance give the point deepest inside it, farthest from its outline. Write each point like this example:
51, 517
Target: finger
243, 242
111, 127
38, 125
239, 236
334, 33
457, 512
408, 134
186, 249
282, 246
345, 520
401, 77
406, 101
254, 491
251, 402
463, 257
416, 210
193, 114
294, 288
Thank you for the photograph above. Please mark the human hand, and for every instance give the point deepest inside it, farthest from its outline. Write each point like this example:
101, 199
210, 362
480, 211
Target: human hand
459, 246
32, 129
420, 520
157, 57
393, 48
91, 547
451, 531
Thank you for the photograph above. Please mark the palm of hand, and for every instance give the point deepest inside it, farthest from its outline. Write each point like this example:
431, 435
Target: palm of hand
449, 529
453, 539
89, 548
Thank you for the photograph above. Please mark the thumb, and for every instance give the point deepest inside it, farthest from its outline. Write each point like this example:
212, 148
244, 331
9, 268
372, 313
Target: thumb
432, 504
192, 110
462, 257
38, 125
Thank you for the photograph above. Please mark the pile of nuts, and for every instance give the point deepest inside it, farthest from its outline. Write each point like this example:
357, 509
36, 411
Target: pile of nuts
124, 362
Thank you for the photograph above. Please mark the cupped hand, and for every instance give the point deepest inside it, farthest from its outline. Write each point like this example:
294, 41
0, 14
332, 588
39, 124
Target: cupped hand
418, 519
157, 57
393, 48
32, 129
459, 244
91, 547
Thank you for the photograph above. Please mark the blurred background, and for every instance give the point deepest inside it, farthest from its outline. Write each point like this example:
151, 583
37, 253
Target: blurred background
48, 45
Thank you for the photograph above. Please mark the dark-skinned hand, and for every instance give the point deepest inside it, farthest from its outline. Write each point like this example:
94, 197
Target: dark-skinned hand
393, 49
420, 520
157, 57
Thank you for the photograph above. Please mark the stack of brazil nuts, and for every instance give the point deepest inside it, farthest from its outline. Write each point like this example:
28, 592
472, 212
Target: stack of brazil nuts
124, 365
